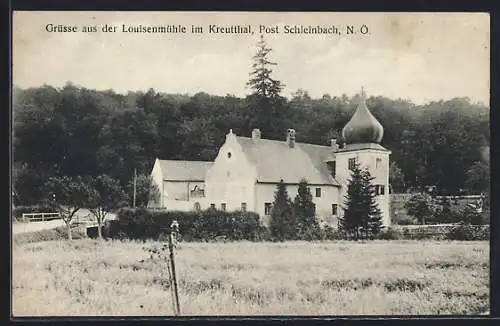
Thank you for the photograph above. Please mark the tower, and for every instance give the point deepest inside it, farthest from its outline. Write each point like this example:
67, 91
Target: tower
362, 135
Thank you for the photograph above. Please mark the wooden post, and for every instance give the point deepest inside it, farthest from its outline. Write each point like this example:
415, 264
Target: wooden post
177, 311
135, 184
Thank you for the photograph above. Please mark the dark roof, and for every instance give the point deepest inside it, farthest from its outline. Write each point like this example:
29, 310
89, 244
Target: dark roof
174, 170
363, 126
275, 160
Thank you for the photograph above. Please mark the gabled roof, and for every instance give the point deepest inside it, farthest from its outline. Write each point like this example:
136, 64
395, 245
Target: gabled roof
174, 170
275, 160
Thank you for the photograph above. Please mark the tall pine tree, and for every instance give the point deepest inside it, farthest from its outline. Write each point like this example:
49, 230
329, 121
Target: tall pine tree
355, 207
373, 224
266, 105
362, 216
305, 212
282, 224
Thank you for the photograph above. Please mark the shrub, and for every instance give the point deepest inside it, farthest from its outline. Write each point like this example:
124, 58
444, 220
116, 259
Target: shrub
389, 234
406, 220
330, 233
469, 233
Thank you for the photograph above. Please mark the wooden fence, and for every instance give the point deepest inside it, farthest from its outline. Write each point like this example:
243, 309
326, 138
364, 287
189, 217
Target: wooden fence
34, 217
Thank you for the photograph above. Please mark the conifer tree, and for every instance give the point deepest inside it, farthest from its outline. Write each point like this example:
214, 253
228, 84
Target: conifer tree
362, 216
351, 221
282, 222
305, 211
266, 104
373, 223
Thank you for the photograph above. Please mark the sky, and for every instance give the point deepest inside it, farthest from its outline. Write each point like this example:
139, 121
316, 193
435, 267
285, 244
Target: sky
417, 56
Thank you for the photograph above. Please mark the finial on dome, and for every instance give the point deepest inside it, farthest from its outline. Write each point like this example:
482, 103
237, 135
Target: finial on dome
363, 126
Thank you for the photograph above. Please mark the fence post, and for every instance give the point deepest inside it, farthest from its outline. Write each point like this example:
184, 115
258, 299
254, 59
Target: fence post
171, 240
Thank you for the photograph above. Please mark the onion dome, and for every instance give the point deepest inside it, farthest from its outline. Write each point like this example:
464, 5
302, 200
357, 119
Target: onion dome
363, 126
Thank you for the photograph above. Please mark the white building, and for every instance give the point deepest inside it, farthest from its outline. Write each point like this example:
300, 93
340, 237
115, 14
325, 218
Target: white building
246, 171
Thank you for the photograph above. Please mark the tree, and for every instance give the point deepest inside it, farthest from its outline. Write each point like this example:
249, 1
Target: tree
106, 194
146, 191
27, 186
396, 178
68, 195
421, 206
478, 177
305, 211
282, 222
355, 208
444, 213
373, 224
265, 102
362, 215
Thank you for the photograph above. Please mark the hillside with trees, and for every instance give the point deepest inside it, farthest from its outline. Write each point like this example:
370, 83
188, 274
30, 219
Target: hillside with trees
75, 131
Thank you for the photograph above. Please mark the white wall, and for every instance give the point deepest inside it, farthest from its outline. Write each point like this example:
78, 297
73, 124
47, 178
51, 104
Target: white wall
368, 158
158, 180
231, 180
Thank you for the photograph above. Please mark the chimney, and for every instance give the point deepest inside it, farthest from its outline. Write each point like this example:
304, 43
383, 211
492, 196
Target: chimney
290, 138
255, 134
334, 144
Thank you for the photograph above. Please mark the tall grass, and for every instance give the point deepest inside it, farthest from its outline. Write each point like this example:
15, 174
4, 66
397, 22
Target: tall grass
113, 278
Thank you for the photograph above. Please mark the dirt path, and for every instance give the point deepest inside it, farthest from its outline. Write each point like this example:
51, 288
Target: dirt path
25, 227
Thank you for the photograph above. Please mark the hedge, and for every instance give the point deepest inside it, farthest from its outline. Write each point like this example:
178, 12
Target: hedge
207, 225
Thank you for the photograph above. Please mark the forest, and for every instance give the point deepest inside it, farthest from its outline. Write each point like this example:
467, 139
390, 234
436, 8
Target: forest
76, 131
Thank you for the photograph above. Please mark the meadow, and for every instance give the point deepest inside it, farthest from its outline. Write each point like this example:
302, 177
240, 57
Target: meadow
113, 278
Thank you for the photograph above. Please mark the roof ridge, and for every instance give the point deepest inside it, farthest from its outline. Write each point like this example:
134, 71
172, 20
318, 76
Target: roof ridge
283, 141
185, 161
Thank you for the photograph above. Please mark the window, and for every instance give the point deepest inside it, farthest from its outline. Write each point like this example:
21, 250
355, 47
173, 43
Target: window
212, 206
267, 208
243, 207
352, 163
318, 192
380, 190
197, 207
334, 209
333, 167
228, 154
223, 207
378, 162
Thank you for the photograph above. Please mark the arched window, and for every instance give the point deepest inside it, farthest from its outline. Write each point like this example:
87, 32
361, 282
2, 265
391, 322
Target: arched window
197, 207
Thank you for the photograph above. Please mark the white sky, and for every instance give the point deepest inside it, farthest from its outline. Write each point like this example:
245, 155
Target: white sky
420, 56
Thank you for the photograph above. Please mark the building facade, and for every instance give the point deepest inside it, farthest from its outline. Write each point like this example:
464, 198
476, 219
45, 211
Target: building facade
247, 170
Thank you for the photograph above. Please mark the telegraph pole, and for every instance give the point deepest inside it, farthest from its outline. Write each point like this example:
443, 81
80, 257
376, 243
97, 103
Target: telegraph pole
135, 184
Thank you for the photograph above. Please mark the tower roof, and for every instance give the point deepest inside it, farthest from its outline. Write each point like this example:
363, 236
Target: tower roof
363, 126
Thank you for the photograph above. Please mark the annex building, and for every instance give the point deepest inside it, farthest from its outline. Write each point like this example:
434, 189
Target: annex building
246, 171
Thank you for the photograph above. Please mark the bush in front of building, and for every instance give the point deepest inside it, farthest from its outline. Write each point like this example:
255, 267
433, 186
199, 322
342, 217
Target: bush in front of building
141, 223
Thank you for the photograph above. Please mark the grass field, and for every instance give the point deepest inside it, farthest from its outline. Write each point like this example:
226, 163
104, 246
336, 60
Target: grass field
87, 277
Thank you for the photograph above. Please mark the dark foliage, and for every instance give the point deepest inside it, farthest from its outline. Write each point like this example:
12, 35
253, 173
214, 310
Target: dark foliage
207, 225
283, 225
89, 132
